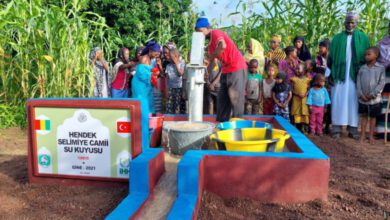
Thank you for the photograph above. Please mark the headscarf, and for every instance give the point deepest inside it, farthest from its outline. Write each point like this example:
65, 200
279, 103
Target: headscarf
93, 54
101, 78
304, 52
282, 87
151, 45
257, 53
202, 23
384, 48
170, 45
276, 38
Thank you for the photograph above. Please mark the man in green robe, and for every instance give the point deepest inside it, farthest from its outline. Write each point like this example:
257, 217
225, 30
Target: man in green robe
347, 55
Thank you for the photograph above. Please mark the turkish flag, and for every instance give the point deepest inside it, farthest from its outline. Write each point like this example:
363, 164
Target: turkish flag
123, 127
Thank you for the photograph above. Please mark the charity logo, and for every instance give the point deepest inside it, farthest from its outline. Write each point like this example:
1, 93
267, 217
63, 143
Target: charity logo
124, 162
123, 127
42, 124
44, 160
82, 117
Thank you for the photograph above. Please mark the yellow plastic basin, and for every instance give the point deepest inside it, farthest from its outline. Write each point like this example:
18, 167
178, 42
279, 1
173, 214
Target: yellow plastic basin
251, 139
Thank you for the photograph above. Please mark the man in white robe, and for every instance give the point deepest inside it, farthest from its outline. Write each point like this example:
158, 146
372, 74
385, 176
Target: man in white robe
345, 58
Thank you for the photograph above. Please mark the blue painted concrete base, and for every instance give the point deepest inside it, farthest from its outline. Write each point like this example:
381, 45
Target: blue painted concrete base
139, 184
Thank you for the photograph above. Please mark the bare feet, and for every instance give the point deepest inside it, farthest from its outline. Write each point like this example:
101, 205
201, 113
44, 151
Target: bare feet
372, 140
362, 139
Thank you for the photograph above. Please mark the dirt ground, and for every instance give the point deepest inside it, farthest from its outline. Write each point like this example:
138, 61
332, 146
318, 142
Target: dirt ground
359, 188
21, 200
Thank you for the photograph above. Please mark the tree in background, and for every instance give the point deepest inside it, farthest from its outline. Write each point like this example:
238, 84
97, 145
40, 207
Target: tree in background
138, 21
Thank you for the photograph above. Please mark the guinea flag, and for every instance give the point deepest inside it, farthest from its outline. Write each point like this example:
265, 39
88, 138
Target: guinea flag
42, 125
123, 127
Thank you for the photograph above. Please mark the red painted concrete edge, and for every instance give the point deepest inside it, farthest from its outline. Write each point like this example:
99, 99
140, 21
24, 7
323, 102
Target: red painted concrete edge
201, 189
204, 182
156, 169
279, 180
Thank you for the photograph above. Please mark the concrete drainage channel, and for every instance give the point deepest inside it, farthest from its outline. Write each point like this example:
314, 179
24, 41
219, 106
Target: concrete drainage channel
164, 195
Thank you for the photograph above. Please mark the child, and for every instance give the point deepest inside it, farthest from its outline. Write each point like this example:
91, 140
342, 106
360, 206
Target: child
290, 64
276, 54
253, 89
300, 86
174, 71
213, 86
370, 83
321, 67
268, 85
281, 94
321, 59
318, 100
310, 69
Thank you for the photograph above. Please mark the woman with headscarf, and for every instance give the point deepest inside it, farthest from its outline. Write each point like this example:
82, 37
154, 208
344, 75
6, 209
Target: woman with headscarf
255, 51
384, 59
302, 50
142, 87
121, 74
168, 46
101, 73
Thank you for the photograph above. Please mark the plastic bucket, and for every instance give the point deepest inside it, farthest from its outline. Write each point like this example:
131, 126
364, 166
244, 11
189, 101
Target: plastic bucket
251, 139
243, 124
156, 123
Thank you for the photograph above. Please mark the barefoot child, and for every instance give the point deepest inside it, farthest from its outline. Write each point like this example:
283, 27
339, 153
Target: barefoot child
370, 83
317, 101
322, 68
300, 88
281, 94
268, 85
253, 89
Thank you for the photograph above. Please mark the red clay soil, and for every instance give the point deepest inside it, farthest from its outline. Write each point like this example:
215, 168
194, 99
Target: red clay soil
359, 188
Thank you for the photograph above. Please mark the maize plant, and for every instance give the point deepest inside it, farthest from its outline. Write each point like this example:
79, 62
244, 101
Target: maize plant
44, 50
314, 19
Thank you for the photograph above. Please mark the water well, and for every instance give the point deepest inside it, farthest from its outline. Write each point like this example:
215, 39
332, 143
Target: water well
178, 137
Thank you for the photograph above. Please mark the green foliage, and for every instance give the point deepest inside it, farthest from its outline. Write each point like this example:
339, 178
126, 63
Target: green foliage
138, 21
44, 51
11, 116
313, 19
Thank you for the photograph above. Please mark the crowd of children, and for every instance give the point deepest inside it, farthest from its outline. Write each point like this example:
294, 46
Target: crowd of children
284, 82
